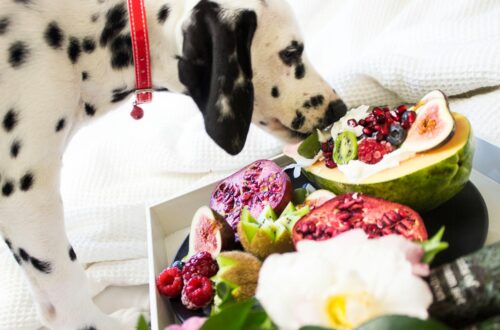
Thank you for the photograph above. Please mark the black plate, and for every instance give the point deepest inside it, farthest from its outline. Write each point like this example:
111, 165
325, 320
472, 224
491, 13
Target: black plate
465, 217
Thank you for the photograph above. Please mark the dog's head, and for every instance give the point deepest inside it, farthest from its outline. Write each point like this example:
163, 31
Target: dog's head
244, 61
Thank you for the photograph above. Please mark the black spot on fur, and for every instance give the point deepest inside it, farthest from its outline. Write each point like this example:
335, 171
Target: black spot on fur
74, 49
298, 121
116, 21
4, 25
292, 54
88, 327
336, 110
15, 148
24, 255
317, 100
9, 244
121, 52
18, 260
7, 188
53, 35
85, 75
72, 254
300, 71
40, 265
94, 17
307, 104
275, 92
119, 94
10, 120
26, 182
88, 45
90, 109
163, 14
263, 123
18, 53
60, 124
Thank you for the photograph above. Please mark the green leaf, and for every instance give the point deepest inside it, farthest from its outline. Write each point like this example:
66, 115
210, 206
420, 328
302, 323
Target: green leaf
399, 322
433, 246
258, 320
142, 324
232, 317
310, 146
299, 195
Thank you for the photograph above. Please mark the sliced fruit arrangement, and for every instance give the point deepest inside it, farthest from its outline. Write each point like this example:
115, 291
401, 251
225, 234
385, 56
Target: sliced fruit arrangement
375, 216
253, 187
269, 234
420, 155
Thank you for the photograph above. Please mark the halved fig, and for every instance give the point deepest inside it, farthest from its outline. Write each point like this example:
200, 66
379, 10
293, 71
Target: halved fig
255, 186
377, 217
210, 233
433, 125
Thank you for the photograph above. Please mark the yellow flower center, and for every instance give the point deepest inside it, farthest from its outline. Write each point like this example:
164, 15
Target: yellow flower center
346, 311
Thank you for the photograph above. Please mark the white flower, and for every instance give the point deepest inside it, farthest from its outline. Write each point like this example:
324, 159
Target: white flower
342, 282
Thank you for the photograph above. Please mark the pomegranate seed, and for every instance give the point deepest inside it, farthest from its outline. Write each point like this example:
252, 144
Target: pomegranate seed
367, 131
344, 216
412, 116
352, 123
402, 108
379, 137
330, 163
377, 111
387, 231
406, 125
362, 122
369, 119
384, 130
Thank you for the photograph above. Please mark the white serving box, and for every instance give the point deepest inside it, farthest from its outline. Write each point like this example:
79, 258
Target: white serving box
168, 226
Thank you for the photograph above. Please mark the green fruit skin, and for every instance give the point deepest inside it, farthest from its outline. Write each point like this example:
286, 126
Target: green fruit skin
422, 190
262, 245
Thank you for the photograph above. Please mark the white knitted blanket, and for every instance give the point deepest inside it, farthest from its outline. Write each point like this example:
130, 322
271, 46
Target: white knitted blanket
372, 52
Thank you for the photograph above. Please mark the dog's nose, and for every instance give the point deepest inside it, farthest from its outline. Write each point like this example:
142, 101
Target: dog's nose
336, 110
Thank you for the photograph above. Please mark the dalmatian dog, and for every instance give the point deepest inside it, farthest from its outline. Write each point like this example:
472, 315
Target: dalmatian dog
65, 63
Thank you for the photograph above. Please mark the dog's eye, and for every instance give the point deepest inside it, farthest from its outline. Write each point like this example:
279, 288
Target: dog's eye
291, 53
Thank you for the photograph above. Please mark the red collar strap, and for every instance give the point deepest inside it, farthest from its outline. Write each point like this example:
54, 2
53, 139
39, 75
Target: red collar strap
142, 59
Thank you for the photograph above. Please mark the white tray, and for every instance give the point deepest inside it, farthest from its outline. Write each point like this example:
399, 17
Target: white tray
168, 225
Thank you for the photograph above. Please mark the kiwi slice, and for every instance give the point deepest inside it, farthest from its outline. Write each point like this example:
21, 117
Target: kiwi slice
346, 148
310, 146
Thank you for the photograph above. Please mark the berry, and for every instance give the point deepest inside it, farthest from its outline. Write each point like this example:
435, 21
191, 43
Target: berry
169, 282
371, 151
200, 264
179, 264
397, 135
197, 293
409, 116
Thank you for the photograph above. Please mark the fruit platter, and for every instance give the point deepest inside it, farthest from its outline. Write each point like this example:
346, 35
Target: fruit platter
377, 205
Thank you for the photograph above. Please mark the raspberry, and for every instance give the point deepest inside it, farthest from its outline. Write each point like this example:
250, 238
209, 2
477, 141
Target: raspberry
197, 293
371, 151
200, 264
169, 282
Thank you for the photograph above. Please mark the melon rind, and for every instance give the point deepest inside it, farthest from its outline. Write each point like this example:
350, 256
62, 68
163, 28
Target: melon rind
424, 189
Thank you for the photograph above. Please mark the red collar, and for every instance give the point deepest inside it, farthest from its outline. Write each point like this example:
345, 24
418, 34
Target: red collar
142, 59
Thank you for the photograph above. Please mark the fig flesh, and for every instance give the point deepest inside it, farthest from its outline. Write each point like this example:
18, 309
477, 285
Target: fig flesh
209, 233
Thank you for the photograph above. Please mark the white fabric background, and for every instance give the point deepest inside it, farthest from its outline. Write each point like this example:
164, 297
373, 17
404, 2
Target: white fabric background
372, 52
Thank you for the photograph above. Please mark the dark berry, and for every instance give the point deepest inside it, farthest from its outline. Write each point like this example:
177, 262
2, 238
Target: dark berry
179, 264
397, 135
409, 117
169, 282
198, 292
201, 264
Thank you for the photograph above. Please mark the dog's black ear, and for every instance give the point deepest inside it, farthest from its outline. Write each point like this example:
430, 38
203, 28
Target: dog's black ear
216, 68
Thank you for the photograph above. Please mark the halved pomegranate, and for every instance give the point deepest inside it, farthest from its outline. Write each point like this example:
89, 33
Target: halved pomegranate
255, 186
377, 217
